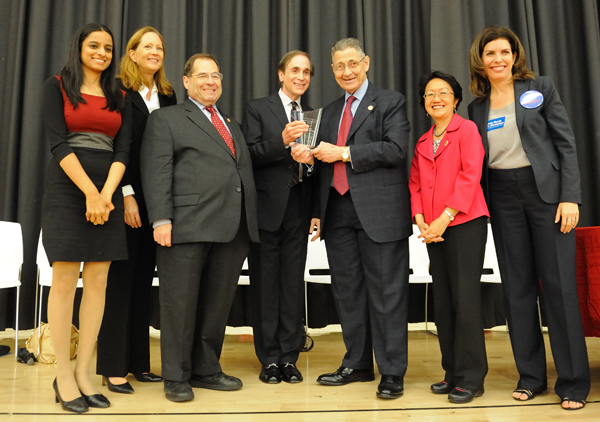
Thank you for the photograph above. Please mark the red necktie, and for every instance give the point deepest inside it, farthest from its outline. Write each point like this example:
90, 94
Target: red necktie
340, 179
216, 121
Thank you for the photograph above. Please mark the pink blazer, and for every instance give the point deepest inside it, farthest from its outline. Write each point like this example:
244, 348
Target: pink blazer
451, 178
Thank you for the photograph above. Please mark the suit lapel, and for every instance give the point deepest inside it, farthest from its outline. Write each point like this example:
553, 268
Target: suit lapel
138, 102
199, 118
520, 88
278, 110
480, 115
425, 147
366, 107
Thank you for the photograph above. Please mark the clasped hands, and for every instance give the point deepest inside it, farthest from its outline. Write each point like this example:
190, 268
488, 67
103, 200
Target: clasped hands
98, 206
432, 233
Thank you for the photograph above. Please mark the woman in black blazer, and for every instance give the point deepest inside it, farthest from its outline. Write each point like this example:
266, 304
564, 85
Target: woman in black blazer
532, 184
123, 342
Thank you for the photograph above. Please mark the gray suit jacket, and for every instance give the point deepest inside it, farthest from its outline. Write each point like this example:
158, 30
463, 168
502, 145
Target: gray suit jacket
190, 176
547, 139
377, 177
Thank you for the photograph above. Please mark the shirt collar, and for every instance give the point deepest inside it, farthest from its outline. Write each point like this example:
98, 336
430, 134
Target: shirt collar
144, 90
287, 100
360, 92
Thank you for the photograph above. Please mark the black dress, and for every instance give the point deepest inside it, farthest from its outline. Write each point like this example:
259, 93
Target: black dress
98, 137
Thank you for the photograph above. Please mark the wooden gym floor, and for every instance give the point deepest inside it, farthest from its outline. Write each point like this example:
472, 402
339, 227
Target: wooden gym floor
26, 393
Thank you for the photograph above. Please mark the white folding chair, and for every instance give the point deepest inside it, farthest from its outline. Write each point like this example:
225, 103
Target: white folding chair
491, 271
244, 279
419, 266
11, 260
45, 278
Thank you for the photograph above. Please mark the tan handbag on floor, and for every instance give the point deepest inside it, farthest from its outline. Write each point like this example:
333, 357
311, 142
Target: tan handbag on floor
40, 344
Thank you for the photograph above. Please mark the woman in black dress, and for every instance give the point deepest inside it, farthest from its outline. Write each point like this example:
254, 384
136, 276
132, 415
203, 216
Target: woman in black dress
88, 124
123, 343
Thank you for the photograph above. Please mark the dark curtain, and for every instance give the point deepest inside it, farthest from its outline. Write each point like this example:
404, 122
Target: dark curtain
404, 39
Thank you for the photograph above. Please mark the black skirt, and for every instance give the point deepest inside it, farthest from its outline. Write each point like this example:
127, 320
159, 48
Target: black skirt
66, 234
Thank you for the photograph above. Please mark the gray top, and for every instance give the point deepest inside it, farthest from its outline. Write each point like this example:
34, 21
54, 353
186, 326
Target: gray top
506, 150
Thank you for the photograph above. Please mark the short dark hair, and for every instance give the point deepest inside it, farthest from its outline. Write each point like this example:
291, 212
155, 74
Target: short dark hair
189, 65
72, 73
287, 57
479, 80
436, 74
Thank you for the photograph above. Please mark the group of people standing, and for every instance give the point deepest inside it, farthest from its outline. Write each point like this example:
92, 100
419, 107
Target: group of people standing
211, 193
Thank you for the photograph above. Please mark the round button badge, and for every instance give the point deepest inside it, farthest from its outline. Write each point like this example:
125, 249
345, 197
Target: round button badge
531, 99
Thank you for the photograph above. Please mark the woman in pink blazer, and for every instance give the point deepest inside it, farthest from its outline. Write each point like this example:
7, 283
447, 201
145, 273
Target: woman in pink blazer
450, 210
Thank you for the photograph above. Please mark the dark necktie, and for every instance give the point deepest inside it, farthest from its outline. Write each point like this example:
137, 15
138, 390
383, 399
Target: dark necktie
340, 178
296, 175
216, 121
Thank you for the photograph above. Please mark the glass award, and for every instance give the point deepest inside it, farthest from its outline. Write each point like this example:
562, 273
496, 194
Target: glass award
312, 119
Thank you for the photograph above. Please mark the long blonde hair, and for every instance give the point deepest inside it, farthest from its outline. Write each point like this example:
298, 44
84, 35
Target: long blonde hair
131, 76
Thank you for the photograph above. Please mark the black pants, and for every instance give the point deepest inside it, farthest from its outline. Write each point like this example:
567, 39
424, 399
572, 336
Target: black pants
456, 265
123, 341
370, 289
277, 286
536, 259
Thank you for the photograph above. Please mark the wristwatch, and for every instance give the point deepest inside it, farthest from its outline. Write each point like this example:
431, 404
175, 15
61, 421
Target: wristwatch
346, 154
450, 216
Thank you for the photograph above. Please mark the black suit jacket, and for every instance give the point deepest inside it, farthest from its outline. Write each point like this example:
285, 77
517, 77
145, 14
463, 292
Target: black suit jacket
377, 178
547, 139
264, 120
139, 114
190, 176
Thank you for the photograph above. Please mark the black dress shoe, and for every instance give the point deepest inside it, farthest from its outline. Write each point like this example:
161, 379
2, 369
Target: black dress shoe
270, 374
442, 387
219, 381
345, 376
77, 405
178, 391
390, 387
290, 374
117, 388
463, 395
149, 377
96, 400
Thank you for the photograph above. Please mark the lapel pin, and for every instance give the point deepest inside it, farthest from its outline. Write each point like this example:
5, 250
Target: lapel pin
445, 143
228, 120
370, 108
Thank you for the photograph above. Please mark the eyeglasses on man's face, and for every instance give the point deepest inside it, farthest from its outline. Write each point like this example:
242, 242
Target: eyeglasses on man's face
203, 77
352, 65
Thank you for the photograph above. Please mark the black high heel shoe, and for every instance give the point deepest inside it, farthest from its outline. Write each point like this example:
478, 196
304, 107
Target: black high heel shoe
78, 405
96, 400
117, 388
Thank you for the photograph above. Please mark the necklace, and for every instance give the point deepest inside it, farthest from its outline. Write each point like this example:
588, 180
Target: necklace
436, 144
440, 134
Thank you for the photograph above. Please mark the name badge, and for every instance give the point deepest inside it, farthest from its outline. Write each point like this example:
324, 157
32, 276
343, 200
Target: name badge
496, 123
531, 99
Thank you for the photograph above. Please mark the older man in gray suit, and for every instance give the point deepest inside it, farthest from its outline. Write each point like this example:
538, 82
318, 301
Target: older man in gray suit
200, 194
365, 220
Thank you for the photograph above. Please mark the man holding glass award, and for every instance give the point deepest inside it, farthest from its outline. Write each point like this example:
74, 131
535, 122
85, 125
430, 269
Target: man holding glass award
285, 211
365, 220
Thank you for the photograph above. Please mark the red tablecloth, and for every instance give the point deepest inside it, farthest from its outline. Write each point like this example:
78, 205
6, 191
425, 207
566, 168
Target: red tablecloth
588, 278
